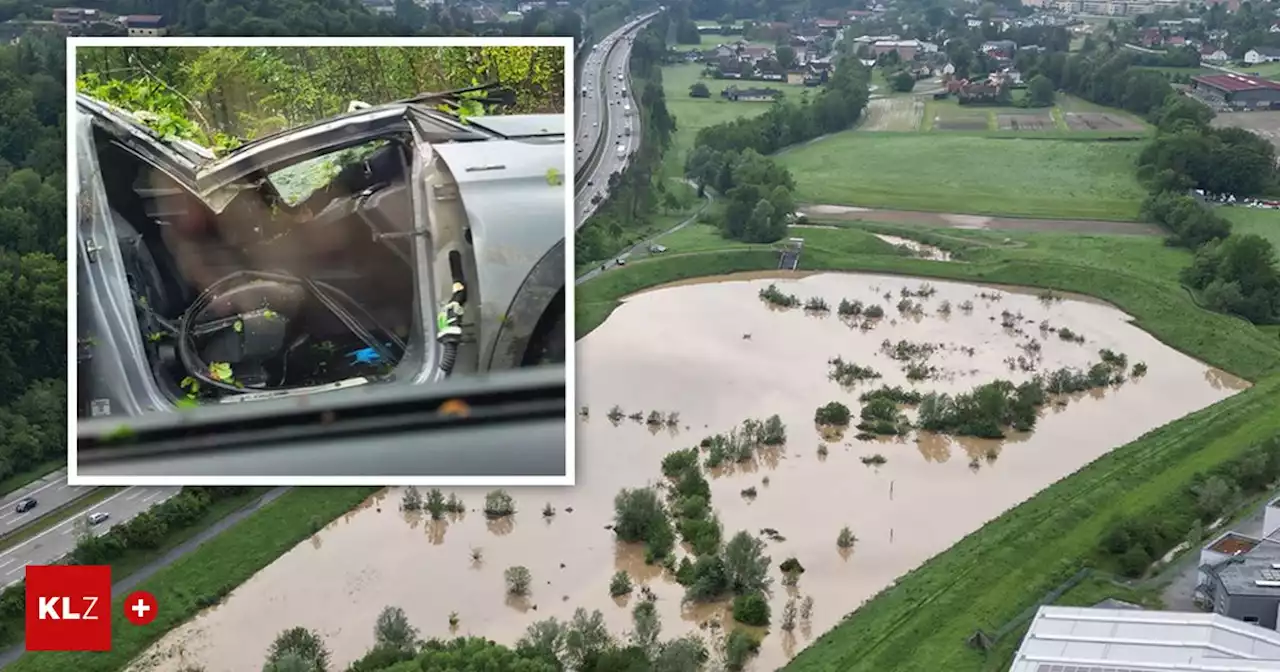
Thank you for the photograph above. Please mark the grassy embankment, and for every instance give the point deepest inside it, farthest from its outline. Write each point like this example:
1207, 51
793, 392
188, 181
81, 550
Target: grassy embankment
202, 578
1265, 223
998, 572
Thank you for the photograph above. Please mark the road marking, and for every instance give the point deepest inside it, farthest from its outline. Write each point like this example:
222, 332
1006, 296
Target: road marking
150, 497
133, 496
65, 521
42, 488
6, 563
14, 570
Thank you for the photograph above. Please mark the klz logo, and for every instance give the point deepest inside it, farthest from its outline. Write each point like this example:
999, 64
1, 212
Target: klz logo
60, 609
68, 608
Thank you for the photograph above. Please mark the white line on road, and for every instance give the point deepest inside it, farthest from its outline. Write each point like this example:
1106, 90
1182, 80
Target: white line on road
60, 524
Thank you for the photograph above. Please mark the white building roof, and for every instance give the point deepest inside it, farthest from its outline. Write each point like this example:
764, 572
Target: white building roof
1081, 639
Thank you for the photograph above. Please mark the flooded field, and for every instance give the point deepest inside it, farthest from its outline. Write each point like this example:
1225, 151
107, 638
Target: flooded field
717, 354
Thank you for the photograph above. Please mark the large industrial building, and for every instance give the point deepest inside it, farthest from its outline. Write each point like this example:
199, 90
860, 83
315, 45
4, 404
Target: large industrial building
1076, 639
1241, 92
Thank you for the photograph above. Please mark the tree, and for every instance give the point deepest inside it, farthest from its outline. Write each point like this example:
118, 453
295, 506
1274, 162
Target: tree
902, 81
786, 56
637, 513
1040, 91
751, 609
648, 626
300, 643
393, 630
699, 90
746, 566
518, 580
586, 637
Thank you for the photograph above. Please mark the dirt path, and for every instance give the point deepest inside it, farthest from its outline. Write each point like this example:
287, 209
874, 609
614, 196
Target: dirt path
981, 222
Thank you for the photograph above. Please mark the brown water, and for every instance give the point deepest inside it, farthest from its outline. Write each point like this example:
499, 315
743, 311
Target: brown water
685, 349
916, 247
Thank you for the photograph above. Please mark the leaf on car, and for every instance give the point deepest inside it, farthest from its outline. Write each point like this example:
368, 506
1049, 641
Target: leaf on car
554, 178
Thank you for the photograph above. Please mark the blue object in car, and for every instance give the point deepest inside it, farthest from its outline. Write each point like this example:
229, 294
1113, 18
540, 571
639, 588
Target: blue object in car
365, 356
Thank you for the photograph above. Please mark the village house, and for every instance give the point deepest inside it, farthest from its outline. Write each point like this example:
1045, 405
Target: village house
145, 25
906, 49
74, 17
1213, 54
1000, 49
1261, 55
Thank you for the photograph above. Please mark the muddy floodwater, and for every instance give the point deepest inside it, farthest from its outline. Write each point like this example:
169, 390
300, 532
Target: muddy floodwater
717, 354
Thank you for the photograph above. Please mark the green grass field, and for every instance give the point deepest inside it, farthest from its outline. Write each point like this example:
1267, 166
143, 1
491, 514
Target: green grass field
1048, 178
997, 573
694, 114
202, 578
1265, 223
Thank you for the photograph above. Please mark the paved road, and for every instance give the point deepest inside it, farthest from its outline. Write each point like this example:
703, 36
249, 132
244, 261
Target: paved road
50, 492
126, 584
605, 116
641, 248
55, 542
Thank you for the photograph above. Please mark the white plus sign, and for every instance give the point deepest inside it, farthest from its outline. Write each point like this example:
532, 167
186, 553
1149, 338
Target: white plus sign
141, 608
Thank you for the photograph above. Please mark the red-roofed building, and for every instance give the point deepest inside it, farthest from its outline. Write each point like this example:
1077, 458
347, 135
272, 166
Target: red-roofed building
1237, 91
827, 24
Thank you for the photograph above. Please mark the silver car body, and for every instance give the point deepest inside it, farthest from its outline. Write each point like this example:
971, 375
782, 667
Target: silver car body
492, 190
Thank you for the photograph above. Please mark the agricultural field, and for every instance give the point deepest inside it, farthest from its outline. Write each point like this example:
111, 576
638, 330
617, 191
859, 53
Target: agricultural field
902, 113
1050, 177
1265, 223
1070, 116
1265, 124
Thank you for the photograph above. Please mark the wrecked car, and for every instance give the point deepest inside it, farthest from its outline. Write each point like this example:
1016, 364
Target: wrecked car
393, 244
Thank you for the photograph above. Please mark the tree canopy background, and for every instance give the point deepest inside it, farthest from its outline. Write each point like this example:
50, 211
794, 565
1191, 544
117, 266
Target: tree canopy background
214, 94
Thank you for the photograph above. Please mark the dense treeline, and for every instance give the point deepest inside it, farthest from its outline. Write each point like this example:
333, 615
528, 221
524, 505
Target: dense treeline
232, 93
32, 243
729, 157
582, 643
1230, 273
636, 194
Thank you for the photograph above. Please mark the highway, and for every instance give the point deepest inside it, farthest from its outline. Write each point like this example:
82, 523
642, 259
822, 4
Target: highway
50, 492
55, 542
605, 116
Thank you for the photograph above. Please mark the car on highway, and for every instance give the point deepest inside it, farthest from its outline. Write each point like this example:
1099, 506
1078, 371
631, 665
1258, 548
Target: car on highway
25, 505
205, 278
98, 517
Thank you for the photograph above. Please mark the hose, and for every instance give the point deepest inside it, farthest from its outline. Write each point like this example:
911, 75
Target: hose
449, 327
198, 369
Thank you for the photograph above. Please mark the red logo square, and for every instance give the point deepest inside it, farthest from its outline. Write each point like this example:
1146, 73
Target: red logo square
68, 608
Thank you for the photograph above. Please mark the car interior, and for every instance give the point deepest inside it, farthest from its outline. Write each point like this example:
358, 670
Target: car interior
295, 283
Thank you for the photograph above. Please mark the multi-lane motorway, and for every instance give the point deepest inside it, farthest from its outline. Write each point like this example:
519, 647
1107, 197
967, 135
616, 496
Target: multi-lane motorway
49, 492
608, 109
59, 540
